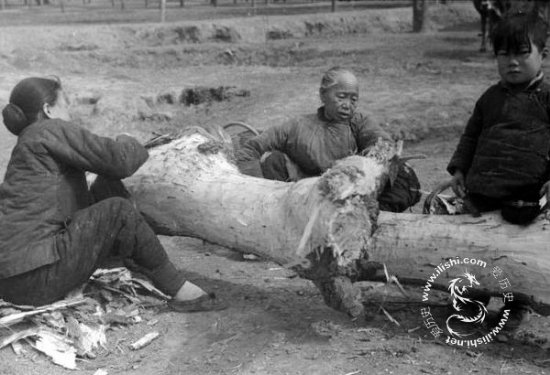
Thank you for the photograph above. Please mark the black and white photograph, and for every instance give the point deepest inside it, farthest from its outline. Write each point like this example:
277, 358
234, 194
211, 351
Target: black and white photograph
274, 187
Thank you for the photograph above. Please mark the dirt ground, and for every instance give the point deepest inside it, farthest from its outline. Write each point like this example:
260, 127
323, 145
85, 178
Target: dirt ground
128, 78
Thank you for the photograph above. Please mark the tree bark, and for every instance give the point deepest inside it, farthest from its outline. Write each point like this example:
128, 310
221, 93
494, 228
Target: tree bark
328, 228
413, 245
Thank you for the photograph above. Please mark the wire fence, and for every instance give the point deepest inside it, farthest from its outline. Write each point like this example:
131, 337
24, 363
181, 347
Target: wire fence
132, 4
18, 12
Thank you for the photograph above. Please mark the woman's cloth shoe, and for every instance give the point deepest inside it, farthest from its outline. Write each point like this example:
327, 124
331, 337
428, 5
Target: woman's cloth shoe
207, 302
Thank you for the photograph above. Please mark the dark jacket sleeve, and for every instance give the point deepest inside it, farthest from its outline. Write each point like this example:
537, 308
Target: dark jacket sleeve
103, 156
464, 153
366, 132
273, 138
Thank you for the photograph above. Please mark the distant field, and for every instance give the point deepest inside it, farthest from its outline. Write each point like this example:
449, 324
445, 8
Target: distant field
17, 13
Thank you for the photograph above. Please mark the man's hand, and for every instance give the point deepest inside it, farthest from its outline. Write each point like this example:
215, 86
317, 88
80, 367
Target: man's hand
457, 183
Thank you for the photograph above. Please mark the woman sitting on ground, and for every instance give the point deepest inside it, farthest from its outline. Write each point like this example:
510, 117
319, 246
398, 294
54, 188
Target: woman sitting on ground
52, 235
308, 145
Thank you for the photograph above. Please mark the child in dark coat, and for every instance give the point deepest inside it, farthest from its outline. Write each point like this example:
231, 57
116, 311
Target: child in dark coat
52, 235
502, 159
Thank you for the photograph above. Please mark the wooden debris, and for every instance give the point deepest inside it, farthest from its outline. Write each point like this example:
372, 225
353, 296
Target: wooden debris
18, 336
19, 317
76, 326
57, 347
393, 279
145, 340
150, 288
17, 348
122, 278
391, 318
86, 338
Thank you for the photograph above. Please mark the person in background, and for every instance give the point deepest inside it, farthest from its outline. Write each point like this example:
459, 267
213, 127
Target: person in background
308, 145
53, 236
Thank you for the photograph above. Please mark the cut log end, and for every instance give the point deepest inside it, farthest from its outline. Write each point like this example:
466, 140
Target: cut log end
350, 230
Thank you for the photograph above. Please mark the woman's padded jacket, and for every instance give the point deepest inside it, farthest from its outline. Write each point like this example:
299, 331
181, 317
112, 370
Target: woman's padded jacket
312, 141
45, 185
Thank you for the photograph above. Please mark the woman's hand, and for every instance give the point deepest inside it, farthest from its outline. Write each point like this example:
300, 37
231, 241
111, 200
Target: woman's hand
457, 183
545, 192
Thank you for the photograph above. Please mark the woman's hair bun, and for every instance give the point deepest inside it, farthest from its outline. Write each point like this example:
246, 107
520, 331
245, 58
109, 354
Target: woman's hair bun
14, 118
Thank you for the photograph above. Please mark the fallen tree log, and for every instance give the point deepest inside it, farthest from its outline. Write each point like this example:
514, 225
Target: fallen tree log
328, 228
413, 246
318, 226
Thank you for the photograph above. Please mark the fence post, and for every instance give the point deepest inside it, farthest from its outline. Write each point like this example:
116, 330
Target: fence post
162, 10
420, 8
2, 4
333, 6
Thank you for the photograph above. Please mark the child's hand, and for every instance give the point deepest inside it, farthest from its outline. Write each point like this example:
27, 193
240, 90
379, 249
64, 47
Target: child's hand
457, 183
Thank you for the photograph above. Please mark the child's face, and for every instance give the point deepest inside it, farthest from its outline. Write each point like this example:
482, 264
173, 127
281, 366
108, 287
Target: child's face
340, 100
517, 67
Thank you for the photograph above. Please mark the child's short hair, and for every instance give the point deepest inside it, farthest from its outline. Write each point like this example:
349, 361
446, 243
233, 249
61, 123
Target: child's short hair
516, 31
